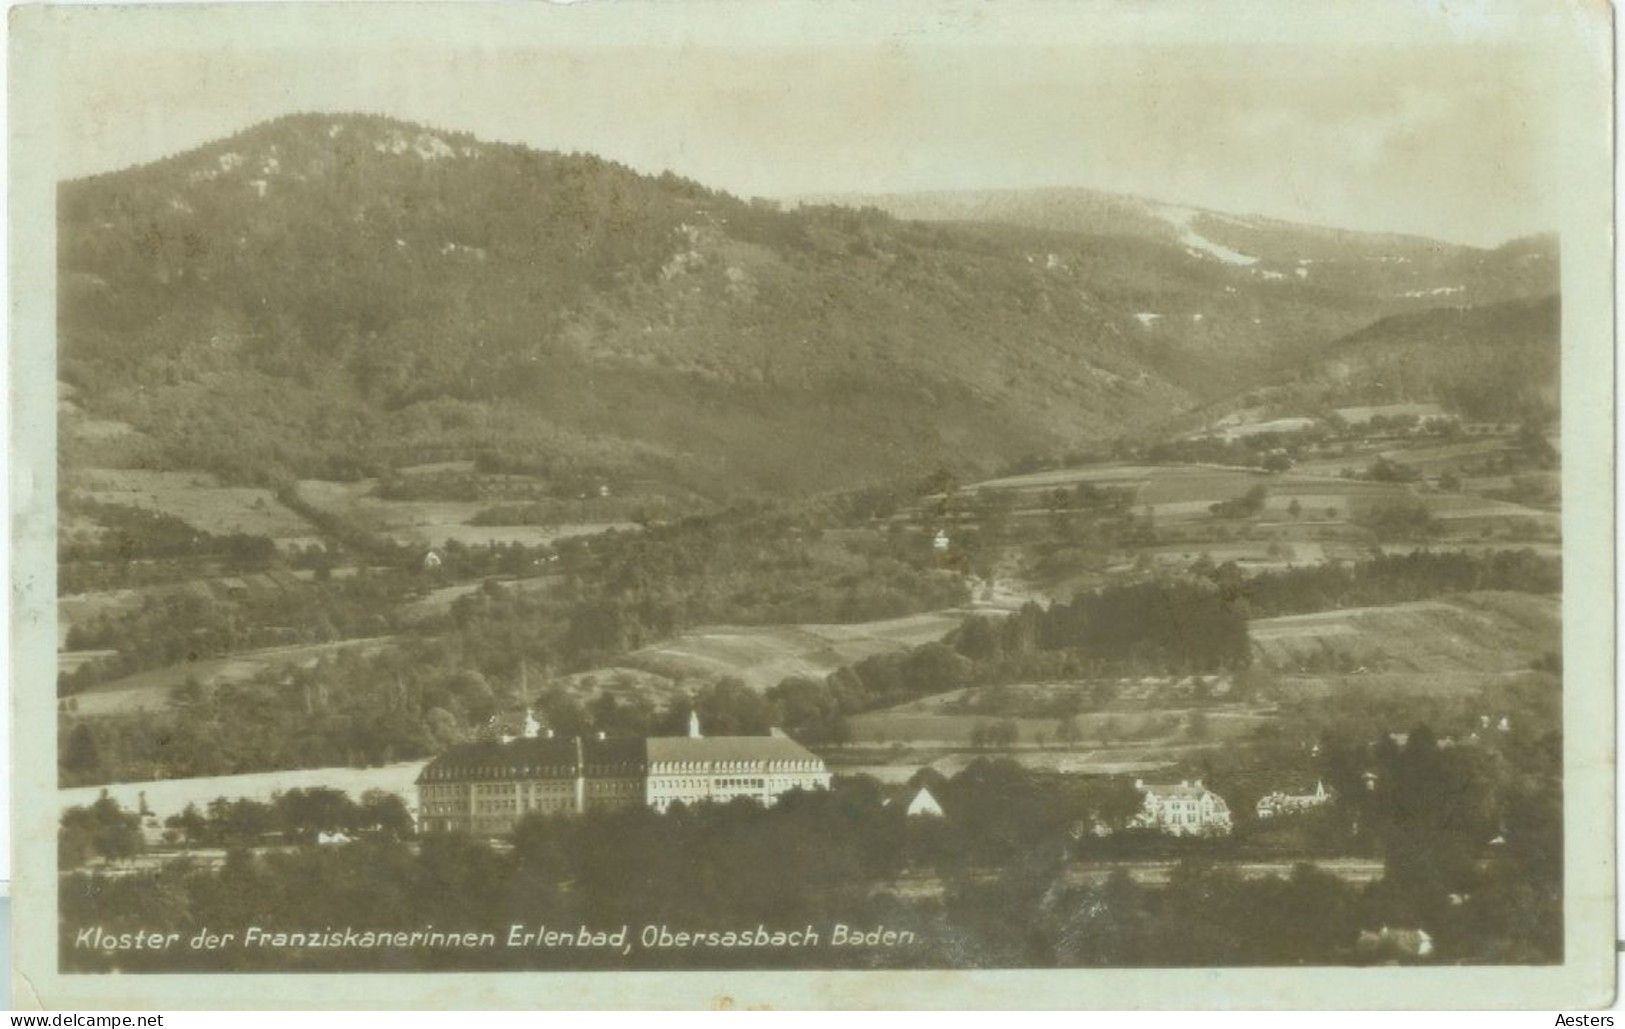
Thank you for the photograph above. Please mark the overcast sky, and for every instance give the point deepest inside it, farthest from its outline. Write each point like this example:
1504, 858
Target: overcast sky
1439, 133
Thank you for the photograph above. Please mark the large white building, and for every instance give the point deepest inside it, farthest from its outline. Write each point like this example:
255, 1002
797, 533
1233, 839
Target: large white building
486, 788
1185, 809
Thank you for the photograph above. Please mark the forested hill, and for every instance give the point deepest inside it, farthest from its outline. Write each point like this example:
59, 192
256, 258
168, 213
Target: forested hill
1411, 272
1500, 362
331, 296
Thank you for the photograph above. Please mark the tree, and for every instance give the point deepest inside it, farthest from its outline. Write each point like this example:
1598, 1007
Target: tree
307, 812
82, 754
1114, 802
1196, 725
384, 812
190, 823
103, 829
1067, 730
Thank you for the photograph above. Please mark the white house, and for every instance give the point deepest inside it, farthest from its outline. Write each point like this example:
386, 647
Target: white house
1185, 809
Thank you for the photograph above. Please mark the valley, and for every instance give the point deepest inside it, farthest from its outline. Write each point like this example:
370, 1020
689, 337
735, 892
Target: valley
1032, 504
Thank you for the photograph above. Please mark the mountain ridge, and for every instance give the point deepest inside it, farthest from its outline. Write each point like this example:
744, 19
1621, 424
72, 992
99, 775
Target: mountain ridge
334, 295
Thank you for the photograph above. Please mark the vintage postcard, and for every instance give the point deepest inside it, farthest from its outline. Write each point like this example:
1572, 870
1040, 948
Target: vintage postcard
813, 505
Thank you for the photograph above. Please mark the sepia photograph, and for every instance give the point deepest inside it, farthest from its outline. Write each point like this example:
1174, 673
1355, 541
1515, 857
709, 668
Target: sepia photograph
611, 488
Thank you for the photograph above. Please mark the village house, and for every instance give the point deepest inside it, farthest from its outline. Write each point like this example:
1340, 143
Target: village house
486, 788
1186, 809
1280, 803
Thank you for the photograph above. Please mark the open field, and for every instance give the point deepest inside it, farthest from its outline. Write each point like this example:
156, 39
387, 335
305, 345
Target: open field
1545, 548
762, 656
1434, 683
1187, 492
167, 797
198, 499
1475, 632
150, 689
957, 729
1102, 474
1361, 415
70, 660
897, 762
1458, 511
433, 522
1433, 458
439, 601
1012, 698
80, 608
1312, 508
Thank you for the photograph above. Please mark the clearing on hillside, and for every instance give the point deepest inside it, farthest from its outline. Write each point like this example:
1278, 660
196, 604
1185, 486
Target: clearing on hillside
762, 656
150, 690
198, 499
1473, 632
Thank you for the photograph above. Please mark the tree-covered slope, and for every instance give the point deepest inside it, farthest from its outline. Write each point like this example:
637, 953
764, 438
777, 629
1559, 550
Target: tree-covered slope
332, 296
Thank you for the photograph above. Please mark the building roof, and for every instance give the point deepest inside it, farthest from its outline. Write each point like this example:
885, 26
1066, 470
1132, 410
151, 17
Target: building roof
540, 757
1183, 790
705, 749
1193, 792
535, 757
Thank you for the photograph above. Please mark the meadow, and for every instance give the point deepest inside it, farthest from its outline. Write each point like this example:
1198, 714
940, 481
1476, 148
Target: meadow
151, 689
1475, 632
197, 498
763, 656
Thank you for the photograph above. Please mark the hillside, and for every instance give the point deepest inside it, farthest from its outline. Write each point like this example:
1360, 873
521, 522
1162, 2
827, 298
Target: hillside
1494, 363
1500, 362
1405, 272
335, 297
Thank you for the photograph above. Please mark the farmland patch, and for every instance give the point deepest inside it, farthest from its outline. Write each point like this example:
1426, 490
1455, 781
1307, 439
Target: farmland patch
1474, 632
198, 499
762, 656
150, 690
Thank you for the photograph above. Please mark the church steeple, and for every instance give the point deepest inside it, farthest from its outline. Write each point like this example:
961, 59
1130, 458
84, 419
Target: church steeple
694, 725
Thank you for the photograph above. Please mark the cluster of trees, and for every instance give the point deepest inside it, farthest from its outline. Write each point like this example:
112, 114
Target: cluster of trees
1270, 451
1385, 470
1406, 520
184, 625
1244, 506
293, 816
131, 533
132, 539
1493, 362
101, 829
1386, 579
1165, 627
104, 830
